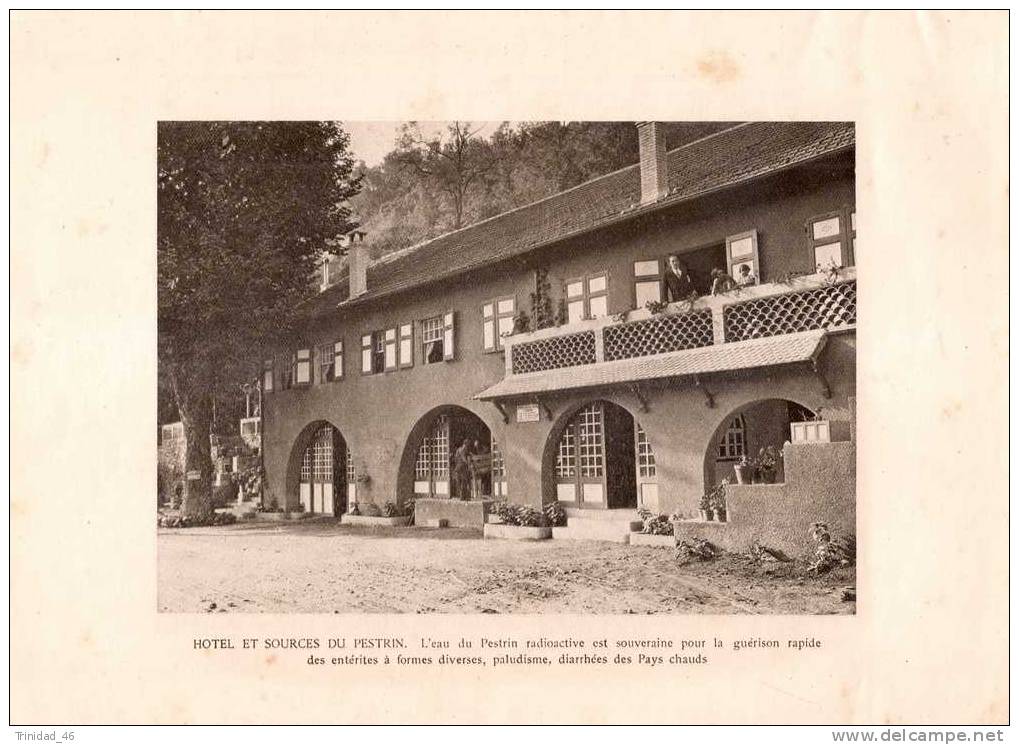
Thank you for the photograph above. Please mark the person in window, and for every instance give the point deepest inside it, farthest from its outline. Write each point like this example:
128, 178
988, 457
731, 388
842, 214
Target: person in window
721, 282
678, 284
746, 277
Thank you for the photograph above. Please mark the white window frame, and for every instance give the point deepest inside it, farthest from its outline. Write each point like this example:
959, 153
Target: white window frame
586, 294
494, 315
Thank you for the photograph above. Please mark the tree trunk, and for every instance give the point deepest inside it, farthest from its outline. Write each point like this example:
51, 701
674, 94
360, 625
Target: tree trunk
196, 416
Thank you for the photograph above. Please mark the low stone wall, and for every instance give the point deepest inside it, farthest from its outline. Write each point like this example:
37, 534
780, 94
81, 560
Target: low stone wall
457, 513
820, 486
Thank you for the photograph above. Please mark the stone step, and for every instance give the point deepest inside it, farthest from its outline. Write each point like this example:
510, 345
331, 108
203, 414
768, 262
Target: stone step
594, 514
578, 529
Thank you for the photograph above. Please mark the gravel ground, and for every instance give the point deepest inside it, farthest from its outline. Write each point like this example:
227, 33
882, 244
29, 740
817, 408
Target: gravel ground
322, 567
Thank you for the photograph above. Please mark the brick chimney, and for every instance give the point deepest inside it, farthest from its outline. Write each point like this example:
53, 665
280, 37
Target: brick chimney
654, 171
357, 264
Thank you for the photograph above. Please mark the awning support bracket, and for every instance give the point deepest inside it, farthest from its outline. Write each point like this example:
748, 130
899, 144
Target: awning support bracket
825, 388
544, 407
635, 388
708, 395
502, 410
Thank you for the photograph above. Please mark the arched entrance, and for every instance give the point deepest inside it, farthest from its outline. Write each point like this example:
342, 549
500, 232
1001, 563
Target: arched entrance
602, 459
319, 470
746, 431
448, 455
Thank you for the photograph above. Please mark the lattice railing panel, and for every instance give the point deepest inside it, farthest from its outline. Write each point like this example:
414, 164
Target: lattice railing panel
825, 307
555, 352
657, 335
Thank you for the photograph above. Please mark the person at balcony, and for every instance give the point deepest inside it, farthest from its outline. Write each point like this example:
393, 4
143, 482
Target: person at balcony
462, 470
721, 282
678, 284
746, 277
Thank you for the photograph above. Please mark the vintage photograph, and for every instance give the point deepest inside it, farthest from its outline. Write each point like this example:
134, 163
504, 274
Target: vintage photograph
595, 367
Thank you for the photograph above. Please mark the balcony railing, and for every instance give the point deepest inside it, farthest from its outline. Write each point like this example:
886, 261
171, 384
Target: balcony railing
805, 303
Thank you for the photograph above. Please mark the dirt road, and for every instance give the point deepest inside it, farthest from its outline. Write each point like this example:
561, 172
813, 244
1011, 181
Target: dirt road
322, 567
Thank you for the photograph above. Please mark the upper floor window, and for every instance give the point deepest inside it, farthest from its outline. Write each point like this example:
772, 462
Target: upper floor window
647, 282
742, 257
330, 361
432, 340
832, 239
267, 376
300, 367
587, 297
438, 338
373, 352
497, 322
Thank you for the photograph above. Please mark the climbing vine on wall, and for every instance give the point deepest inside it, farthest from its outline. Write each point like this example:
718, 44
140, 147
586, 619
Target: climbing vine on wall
542, 313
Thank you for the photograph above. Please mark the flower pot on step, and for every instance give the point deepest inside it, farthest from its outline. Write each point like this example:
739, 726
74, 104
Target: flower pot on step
744, 474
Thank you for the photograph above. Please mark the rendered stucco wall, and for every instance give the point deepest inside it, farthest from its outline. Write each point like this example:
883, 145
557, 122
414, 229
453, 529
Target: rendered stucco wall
383, 417
820, 486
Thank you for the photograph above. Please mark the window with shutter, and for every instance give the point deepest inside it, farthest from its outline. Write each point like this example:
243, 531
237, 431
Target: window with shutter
432, 341
338, 360
301, 365
267, 376
449, 335
366, 354
390, 350
647, 282
407, 345
587, 297
741, 255
497, 322
326, 363
832, 239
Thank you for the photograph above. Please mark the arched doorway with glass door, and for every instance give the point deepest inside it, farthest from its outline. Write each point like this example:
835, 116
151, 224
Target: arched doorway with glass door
320, 468
603, 459
436, 470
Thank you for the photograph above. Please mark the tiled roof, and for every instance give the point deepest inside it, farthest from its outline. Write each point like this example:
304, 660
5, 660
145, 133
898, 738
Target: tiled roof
721, 160
773, 350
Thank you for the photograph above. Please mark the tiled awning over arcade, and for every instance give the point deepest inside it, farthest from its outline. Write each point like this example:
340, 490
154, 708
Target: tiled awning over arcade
774, 350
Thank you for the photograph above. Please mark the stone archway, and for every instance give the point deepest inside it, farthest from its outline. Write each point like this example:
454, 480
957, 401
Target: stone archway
745, 430
317, 470
595, 457
427, 468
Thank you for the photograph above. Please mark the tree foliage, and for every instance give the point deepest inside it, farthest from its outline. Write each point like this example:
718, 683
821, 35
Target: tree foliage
245, 211
427, 186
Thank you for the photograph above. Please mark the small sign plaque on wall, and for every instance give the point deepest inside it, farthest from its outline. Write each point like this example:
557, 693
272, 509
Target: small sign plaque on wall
528, 413
194, 476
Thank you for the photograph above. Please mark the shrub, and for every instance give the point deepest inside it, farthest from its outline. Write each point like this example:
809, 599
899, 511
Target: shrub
830, 553
250, 482
182, 521
530, 518
555, 514
520, 515
697, 548
224, 495
370, 509
656, 525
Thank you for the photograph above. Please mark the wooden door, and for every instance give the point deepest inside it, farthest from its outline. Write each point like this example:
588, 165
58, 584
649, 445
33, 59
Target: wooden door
318, 473
646, 471
580, 460
431, 470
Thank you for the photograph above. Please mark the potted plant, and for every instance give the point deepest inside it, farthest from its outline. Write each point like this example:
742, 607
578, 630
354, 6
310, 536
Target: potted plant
717, 501
745, 470
705, 507
767, 462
